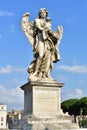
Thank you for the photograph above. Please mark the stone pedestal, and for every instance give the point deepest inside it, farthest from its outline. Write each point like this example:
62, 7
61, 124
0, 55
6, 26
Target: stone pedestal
42, 107
42, 99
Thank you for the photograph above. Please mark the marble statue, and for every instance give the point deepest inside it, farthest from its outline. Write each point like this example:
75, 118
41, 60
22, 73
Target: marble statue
44, 43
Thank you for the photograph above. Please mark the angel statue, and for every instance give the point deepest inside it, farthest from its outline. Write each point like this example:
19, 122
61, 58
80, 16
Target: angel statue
44, 43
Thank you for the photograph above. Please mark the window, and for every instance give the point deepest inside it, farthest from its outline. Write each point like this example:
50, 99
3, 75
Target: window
1, 118
1, 123
2, 107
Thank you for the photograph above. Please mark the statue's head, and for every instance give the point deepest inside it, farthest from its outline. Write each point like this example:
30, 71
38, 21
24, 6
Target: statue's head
42, 10
26, 14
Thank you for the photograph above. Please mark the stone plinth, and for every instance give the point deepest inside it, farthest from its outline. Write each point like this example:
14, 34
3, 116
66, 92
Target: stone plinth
42, 99
42, 107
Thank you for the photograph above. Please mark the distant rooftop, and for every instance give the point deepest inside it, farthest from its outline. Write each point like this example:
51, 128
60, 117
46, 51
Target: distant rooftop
2, 104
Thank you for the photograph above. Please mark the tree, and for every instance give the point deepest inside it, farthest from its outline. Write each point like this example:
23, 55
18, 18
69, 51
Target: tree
83, 105
70, 106
75, 106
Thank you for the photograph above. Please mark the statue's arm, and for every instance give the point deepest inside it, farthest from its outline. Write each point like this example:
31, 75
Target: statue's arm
37, 24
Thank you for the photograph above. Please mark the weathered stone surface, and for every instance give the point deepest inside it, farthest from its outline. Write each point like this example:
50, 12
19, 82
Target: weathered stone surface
49, 124
42, 99
44, 43
42, 107
42, 102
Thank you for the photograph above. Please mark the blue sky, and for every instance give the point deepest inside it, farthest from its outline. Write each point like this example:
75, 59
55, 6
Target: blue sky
16, 52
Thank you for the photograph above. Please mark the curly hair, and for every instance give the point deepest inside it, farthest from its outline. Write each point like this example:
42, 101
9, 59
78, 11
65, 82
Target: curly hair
42, 9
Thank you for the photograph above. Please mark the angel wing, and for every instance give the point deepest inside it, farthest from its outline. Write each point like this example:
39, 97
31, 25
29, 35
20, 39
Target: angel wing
28, 28
60, 33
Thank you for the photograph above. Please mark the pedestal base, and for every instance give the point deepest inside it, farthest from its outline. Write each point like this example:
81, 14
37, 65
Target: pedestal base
57, 123
42, 107
42, 99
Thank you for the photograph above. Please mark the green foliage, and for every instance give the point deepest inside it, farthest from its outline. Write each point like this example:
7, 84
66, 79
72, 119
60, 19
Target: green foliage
74, 106
83, 105
83, 123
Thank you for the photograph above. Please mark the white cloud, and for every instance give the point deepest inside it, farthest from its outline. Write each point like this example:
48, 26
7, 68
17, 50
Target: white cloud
74, 69
2, 88
5, 70
71, 94
5, 13
9, 69
79, 92
82, 81
11, 97
62, 78
75, 62
15, 80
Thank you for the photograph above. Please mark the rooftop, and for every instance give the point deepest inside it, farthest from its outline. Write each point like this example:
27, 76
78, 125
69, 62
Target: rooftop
2, 104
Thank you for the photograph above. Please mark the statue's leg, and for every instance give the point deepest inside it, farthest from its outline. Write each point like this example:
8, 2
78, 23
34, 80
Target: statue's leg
39, 58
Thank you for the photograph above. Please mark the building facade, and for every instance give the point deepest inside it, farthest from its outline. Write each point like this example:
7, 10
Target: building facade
3, 116
14, 119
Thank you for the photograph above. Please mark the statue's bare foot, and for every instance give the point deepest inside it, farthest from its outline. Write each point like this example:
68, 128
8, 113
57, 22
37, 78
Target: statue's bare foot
50, 78
33, 77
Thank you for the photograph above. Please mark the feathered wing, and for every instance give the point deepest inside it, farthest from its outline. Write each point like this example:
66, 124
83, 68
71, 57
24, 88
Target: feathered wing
28, 28
60, 33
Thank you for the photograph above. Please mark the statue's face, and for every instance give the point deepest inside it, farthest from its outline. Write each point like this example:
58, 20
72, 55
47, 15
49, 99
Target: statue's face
43, 14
